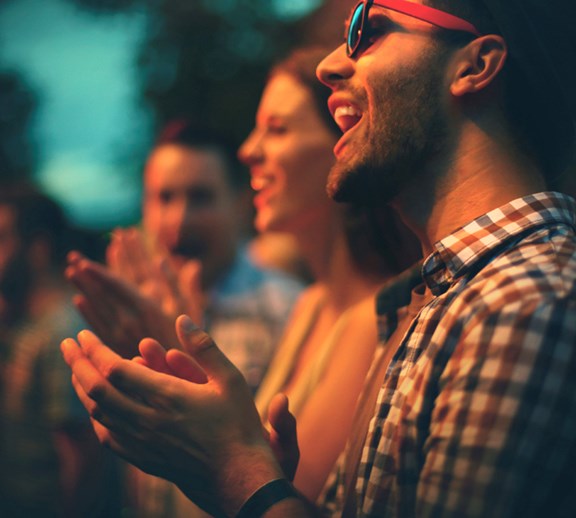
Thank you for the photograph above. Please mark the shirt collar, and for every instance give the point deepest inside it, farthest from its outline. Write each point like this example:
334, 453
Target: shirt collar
457, 253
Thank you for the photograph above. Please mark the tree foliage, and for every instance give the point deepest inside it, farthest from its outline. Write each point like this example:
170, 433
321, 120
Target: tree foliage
206, 60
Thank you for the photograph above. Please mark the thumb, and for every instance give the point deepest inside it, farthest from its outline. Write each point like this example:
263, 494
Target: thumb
202, 348
281, 419
283, 436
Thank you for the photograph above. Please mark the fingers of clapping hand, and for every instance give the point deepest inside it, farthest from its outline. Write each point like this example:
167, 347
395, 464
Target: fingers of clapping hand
94, 377
166, 283
115, 259
96, 281
154, 355
129, 255
113, 307
121, 394
92, 302
73, 257
183, 366
140, 361
205, 352
283, 437
173, 362
145, 266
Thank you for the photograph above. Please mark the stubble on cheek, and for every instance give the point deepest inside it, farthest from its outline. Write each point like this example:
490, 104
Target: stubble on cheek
405, 129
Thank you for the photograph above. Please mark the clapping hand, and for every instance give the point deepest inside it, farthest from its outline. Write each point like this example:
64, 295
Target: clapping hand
204, 435
139, 295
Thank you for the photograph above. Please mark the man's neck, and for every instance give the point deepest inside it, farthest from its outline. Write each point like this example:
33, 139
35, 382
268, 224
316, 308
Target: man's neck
481, 176
211, 277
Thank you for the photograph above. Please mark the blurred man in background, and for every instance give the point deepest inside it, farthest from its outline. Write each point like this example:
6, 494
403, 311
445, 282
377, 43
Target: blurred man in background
190, 257
196, 208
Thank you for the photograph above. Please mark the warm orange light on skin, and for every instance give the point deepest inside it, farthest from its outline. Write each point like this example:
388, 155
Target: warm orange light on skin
190, 207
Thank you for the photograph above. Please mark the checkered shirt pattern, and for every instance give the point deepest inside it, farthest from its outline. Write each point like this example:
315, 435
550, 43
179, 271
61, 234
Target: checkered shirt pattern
476, 416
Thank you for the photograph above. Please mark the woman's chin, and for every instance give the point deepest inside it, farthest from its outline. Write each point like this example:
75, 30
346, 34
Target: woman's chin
270, 223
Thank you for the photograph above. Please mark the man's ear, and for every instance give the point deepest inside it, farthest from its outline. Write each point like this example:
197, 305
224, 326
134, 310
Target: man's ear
478, 64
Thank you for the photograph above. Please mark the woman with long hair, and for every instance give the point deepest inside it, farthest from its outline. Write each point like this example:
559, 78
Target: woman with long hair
329, 342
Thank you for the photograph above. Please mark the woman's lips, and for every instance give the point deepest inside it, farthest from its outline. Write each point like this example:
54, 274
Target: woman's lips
262, 186
259, 182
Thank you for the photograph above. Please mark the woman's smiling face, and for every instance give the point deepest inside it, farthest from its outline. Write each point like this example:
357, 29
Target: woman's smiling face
290, 154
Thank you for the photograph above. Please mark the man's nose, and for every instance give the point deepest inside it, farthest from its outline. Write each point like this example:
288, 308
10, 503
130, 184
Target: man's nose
335, 67
183, 216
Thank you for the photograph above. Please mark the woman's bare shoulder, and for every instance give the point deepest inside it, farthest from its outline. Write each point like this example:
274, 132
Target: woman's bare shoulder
309, 299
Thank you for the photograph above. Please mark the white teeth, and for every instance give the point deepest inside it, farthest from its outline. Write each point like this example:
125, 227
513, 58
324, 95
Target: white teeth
347, 111
347, 116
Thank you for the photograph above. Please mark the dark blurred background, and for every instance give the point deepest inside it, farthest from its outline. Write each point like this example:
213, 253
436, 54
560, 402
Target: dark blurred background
85, 84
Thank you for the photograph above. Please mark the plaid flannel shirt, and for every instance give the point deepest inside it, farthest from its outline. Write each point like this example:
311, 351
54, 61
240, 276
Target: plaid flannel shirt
477, 412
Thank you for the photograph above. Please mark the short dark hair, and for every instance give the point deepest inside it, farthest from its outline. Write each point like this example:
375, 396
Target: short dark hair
536, 81
183, 132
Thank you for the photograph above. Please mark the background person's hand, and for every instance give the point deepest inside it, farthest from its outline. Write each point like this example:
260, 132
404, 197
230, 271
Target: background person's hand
117, 312
138, 259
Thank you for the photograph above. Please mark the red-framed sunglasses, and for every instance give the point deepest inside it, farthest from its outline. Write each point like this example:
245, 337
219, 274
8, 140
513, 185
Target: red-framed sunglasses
355, 31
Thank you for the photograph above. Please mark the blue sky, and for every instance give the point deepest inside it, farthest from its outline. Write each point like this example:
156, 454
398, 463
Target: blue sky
90, 127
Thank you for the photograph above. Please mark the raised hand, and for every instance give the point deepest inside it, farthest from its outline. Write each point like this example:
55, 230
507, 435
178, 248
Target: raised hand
282, 436
205, 437
118, 313
146, 264
139, 295
173, 361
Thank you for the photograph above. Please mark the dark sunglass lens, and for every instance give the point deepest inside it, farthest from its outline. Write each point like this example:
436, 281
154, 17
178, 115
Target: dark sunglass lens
355, 29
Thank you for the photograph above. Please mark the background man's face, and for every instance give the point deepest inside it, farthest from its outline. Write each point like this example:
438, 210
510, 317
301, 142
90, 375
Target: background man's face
189, 206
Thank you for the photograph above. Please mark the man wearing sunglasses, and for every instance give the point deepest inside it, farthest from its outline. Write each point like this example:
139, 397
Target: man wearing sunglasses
443, 117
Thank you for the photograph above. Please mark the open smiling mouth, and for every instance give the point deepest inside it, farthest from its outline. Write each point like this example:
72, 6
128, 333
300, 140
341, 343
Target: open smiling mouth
347, 116
259, 183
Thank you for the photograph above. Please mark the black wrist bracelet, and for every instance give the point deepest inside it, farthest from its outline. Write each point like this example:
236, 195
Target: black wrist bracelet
265, 497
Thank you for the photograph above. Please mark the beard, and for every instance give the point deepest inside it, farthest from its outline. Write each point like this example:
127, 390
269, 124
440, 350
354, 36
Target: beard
408, 127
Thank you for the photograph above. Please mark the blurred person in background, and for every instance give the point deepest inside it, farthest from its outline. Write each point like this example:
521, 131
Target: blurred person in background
331, 338
190, 256
443, 117
51, 463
